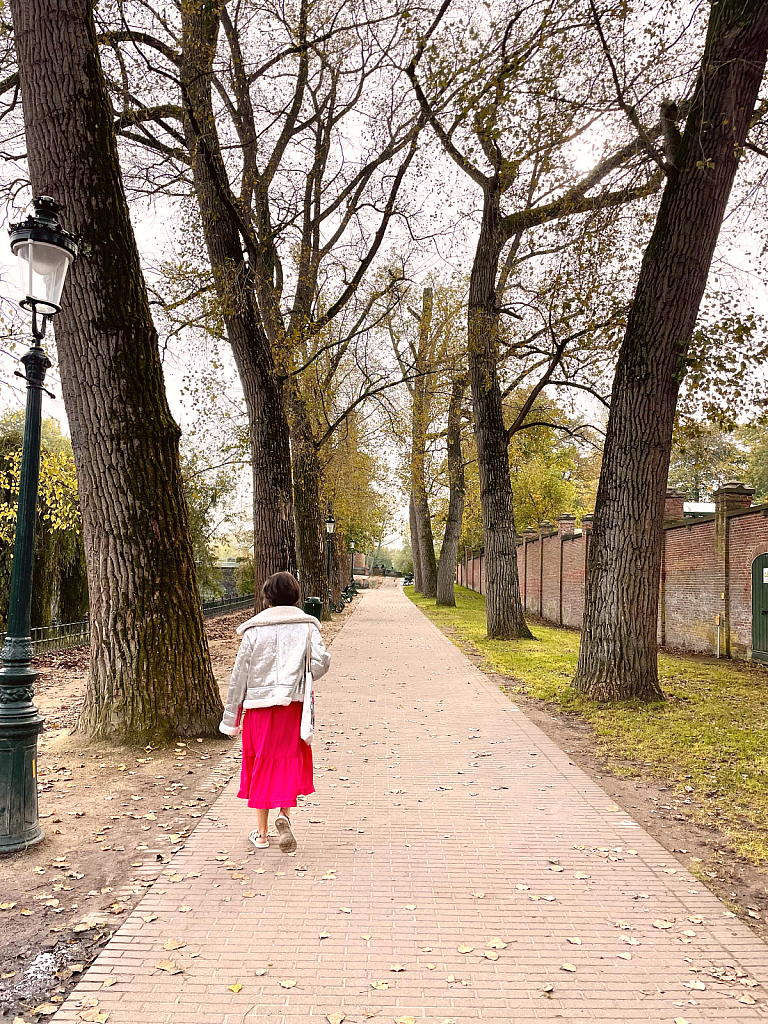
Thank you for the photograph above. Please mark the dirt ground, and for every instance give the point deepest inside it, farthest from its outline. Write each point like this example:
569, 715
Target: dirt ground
657, 804
113, 818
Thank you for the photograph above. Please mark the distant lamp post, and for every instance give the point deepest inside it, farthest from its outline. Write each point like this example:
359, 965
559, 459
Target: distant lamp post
352, 562
330, 526
45, 252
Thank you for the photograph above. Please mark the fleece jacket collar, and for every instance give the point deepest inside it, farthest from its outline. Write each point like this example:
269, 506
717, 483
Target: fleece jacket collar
277, 617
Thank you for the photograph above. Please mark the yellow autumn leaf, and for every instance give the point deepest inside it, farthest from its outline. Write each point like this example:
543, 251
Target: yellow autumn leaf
235, 988
169, 966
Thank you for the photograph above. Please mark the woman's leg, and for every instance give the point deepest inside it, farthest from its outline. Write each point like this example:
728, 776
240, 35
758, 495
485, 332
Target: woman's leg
262, 819
286, 811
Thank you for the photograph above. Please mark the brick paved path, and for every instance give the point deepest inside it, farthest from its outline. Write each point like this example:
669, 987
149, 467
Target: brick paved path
443, 820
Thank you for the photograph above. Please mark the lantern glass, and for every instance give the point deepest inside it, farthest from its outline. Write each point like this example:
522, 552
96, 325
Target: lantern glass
330, 525
42, 271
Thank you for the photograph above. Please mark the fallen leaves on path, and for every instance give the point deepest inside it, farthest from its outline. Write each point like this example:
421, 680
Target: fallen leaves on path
567, 967
235, 988
380, 985
335, 1018
174, 944
288, 983
169, 966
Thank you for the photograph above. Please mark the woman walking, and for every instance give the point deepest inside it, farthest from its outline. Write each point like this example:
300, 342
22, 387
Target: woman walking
265, 699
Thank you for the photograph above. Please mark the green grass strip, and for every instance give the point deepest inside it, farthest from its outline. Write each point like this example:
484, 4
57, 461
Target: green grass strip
711, 733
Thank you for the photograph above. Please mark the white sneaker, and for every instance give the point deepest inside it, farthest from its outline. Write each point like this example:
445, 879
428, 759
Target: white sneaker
287, 839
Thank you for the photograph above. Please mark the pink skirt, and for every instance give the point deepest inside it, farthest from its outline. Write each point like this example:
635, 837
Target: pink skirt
277, 763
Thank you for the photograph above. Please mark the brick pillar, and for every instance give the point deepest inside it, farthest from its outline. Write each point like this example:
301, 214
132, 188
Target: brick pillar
565, 525
674, 505
729, 498
546, 529
530, 534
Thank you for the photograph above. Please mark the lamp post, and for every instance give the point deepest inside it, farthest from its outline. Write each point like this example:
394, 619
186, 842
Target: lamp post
352, 562
44, 251
330, 526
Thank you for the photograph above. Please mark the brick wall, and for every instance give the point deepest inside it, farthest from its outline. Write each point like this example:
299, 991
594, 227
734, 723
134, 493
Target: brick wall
706, 574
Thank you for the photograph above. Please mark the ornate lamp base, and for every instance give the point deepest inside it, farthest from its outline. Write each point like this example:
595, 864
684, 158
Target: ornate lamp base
20, 725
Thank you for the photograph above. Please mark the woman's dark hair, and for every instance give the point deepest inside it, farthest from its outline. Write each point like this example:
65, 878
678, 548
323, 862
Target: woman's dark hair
281, 588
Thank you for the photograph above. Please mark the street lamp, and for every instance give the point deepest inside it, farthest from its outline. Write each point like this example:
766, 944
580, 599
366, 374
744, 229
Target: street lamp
44, 251
352, 562
330, 526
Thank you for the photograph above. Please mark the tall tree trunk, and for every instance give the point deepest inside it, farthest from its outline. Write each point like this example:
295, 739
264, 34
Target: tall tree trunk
426, 543
420, 418
618, 650
504, 609
415, 551
72, 586
150, 677
446, 570
311, 538
274, 534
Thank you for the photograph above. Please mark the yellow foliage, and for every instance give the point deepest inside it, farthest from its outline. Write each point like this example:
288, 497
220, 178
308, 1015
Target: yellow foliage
57, 495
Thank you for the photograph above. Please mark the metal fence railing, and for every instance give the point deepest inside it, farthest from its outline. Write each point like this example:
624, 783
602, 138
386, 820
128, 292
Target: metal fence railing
227, 605
76, 634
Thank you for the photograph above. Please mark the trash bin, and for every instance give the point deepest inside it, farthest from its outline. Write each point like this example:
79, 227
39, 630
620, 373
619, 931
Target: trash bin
314, 606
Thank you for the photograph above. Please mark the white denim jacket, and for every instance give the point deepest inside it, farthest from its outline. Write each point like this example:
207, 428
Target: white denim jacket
270, 665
